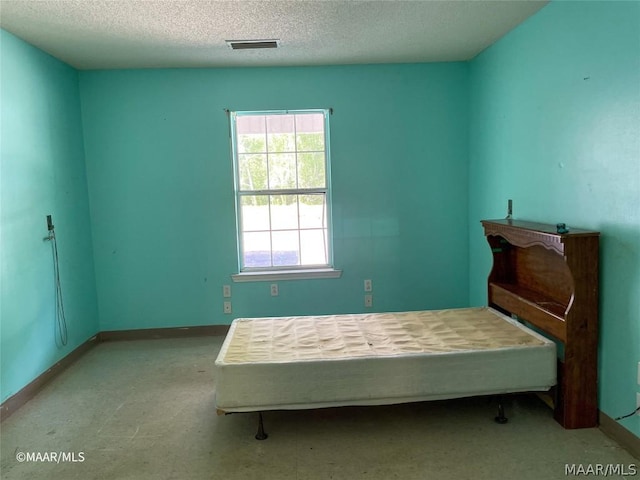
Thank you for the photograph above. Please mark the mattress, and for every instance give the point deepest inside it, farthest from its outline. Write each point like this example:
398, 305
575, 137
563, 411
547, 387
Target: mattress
380, 358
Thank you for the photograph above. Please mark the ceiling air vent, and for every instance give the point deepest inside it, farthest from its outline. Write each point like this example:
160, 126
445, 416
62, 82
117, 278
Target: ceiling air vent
252, 44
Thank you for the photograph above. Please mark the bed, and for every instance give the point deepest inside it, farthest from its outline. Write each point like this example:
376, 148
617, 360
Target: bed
283, 363
377, 359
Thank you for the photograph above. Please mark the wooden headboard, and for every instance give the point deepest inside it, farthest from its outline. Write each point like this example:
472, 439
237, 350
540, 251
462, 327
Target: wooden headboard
550, 280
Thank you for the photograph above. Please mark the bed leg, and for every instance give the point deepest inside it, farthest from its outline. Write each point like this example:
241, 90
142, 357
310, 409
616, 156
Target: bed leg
500, 418
261, 435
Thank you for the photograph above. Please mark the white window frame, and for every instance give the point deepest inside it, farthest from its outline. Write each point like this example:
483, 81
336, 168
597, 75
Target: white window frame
288, 272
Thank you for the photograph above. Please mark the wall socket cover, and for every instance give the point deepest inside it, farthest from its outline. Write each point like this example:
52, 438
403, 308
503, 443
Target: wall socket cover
226, 307
368, 300
274, 289
226, 291
368, 286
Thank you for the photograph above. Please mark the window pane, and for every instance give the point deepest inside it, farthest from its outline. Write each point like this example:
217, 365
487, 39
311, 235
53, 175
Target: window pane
310, 132
312, 211
281, 143
284, 212
286, 249
252, 144
257, 249
309, 122
255, 212
280, 133
313, 248
310, 142
311, 170
251, 134
253, 172
250, 124
282, 171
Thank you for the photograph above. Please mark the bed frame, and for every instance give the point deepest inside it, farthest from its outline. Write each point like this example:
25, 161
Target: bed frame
547, 276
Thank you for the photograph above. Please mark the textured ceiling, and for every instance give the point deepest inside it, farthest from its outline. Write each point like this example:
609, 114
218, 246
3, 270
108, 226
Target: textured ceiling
153, 34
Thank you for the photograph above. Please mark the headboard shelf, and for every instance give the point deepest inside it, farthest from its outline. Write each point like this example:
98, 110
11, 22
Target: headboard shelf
536, 308
550, 280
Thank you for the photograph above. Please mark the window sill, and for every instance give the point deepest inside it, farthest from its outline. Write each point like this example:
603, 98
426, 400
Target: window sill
286, 275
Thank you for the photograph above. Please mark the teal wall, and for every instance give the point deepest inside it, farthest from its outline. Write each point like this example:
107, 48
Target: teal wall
555, 122
161, 189
548, 116
42, 172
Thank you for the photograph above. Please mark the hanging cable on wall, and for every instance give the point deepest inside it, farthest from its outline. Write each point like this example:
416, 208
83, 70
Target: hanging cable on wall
60, 319
628, 415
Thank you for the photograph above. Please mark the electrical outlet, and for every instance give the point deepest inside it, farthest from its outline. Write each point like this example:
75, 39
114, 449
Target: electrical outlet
227, 307
274, 289
226, 291
368, 286
368, 300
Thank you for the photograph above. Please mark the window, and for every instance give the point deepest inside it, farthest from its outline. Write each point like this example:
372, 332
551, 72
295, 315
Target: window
281, 169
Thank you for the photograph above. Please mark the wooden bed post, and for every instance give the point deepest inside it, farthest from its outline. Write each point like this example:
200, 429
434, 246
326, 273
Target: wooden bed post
577, 386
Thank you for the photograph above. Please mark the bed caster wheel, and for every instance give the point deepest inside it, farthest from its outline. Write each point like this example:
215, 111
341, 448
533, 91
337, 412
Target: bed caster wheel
261, 435
500, 418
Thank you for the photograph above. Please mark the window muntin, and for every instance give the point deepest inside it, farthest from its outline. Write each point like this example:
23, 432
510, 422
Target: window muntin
282, 182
